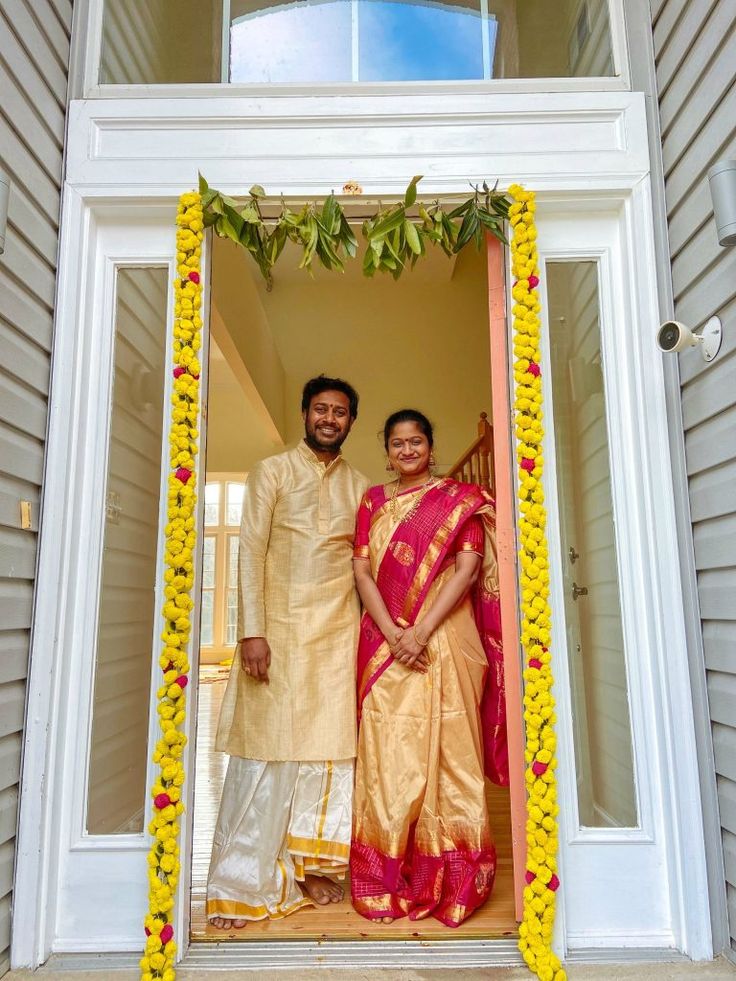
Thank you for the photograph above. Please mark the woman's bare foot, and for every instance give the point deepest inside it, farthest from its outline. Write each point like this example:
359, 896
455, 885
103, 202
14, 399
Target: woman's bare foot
225, 923
322, 890
385, 919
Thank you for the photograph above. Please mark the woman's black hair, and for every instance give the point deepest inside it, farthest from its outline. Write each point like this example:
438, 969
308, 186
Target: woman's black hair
408, 415
322, 383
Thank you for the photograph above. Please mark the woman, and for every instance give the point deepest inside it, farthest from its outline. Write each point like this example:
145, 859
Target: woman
431, 711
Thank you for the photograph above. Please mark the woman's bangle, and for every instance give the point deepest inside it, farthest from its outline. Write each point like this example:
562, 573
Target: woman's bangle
422, 643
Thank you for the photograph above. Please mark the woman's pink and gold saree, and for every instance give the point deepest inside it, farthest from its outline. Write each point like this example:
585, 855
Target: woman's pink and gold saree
422, 842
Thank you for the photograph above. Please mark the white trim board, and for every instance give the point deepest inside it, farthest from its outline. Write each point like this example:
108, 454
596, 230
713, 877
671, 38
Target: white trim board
127, 164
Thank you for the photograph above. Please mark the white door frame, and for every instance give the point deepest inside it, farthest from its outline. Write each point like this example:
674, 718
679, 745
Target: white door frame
577, 150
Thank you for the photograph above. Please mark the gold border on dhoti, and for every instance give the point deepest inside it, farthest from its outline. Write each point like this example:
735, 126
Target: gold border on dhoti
232, 909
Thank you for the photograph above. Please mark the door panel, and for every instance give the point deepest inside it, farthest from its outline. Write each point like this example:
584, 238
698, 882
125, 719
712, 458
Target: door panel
614, 829
119, 479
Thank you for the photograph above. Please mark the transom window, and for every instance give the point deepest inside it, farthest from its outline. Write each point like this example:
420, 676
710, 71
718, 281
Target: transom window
223, 507
317, 41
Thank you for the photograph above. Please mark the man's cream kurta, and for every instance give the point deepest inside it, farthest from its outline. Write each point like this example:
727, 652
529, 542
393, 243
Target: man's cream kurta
297, 591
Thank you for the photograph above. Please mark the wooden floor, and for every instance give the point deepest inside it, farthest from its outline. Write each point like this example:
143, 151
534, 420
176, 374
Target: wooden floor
339, 920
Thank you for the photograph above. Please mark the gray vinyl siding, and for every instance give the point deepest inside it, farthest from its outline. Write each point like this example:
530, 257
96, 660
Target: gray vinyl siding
695, 50
34, 57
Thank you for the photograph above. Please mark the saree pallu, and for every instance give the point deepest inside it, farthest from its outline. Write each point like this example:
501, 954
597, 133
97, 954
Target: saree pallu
421, 835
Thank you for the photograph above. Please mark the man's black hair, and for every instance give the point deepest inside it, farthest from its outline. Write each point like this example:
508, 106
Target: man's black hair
315, 386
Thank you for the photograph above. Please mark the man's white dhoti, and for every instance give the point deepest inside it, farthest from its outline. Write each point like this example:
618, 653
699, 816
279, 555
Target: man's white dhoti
278, 822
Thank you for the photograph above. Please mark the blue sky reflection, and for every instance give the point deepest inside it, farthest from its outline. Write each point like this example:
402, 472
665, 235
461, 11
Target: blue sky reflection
297, 42
312, 41
401, 42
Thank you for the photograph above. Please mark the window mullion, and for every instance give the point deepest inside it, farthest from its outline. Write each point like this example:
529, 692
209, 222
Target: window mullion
225, 43
485, 39
355, 38
220, 584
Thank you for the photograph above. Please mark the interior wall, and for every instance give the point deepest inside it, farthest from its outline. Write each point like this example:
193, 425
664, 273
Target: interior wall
237, 436
421, 342
241, 327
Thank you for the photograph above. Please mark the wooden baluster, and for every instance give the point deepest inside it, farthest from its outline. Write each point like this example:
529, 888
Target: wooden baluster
476, 466
484, 478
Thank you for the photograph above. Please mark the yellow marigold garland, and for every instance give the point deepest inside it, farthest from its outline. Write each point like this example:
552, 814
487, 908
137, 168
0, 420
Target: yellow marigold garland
157, 963
535, 930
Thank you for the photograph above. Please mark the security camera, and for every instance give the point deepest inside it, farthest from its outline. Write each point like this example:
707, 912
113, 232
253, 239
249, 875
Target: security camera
673, 336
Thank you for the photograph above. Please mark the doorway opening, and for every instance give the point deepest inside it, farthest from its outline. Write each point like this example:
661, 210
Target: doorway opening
420, 342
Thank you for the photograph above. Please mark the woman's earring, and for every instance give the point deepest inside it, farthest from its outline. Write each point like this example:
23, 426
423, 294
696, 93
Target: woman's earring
389, 466
432, 462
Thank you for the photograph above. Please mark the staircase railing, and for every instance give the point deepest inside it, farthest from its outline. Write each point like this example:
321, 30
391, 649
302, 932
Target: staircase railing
475, 466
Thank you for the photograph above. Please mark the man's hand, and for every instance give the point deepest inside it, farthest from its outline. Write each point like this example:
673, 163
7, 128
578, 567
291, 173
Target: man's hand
255, 657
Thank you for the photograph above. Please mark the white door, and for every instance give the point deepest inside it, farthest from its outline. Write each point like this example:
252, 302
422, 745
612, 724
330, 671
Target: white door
600, 418
111, 620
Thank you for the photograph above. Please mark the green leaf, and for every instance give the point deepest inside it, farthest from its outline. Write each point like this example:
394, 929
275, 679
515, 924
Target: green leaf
412, 237
347, 237
276, 243
256, 191
388, 221
203, 185
224, 229
249, 214
331, 215
449, 229
394, 248
467, 230
411, 192
327, 254
461, 209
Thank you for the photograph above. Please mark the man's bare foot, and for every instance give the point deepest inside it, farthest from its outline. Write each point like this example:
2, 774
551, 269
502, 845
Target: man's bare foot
224, 923
322, 890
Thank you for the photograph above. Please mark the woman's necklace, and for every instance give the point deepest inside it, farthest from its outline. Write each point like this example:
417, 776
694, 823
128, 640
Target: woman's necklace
394, 504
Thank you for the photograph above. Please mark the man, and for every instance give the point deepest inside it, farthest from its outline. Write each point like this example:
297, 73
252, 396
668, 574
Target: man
288, 717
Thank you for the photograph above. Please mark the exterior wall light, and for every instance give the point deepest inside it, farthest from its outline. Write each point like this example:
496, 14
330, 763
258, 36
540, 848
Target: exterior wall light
722, 179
